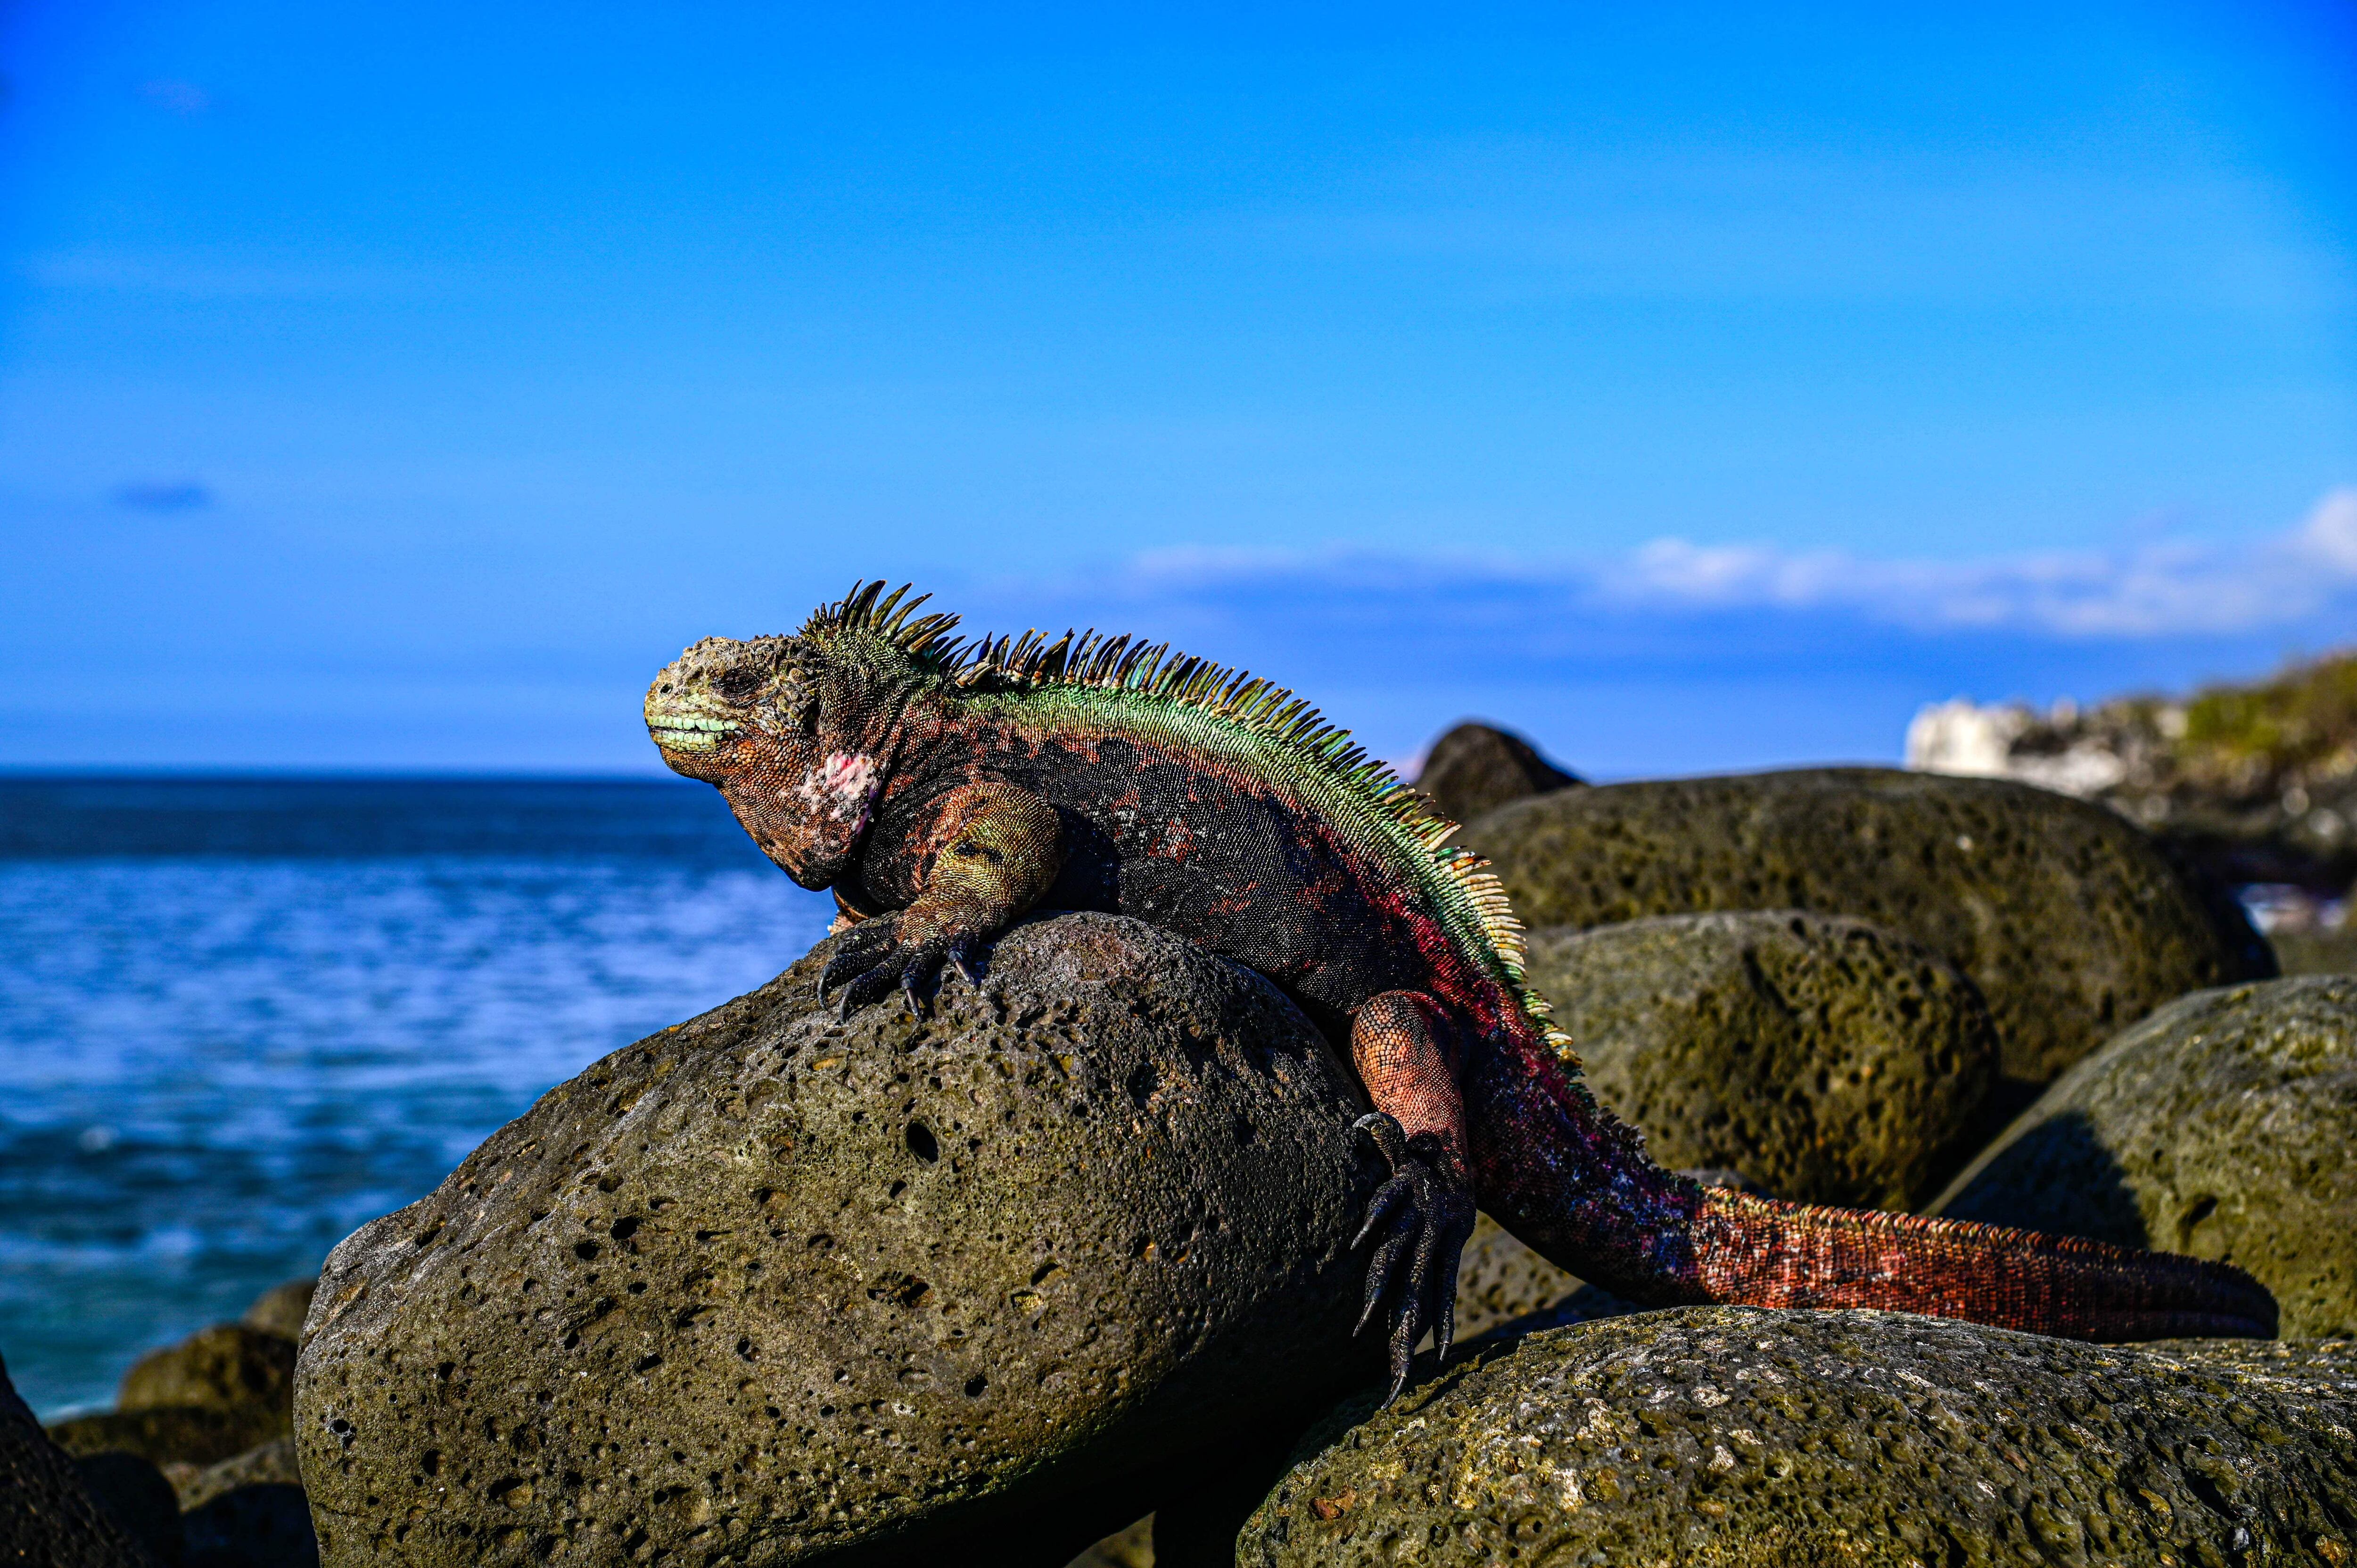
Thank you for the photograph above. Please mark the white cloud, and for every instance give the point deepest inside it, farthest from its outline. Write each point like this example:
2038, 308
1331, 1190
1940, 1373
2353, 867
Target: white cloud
2154, 590
2330, 534
2149, 591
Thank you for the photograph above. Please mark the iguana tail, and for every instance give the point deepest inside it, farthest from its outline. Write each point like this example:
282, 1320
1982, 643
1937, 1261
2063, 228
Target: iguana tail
1569, 1178
1759, 1253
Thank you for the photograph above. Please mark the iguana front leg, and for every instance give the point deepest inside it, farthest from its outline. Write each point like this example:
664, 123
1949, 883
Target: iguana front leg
999, 850
1424, 1212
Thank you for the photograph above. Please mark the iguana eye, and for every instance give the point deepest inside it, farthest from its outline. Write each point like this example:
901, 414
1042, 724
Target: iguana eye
735, 683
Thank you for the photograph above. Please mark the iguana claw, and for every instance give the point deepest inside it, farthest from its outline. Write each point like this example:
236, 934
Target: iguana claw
966, 951
1424, 1213
855, 955
874, 960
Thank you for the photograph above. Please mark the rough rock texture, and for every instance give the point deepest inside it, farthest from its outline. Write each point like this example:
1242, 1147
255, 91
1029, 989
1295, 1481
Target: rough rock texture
1734, 1436
134, 1495
1502, 1288
766, 1287
1825, 1059
273, 1464
1475, 768
2328, 1362
47, 1513
2065, 915
228, 1367
280, 1309
2224, 1125
172, 1435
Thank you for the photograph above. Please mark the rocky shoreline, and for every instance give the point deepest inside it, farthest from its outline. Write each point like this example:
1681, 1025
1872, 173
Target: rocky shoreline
2249, 783
195, 1465
771, 1288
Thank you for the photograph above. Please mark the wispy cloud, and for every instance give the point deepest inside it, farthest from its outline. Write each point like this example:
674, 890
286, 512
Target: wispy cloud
2143, 590
2150, 590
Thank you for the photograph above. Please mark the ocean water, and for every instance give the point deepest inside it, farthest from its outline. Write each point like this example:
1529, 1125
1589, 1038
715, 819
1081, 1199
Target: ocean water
240, 1017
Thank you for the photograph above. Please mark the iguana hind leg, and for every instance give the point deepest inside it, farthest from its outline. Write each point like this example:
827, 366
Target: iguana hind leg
999, 850
1424, 1213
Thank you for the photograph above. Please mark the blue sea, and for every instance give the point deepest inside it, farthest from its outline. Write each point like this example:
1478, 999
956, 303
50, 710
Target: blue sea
241, 1017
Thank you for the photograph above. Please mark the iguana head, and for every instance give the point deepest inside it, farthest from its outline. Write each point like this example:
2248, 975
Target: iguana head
798, 731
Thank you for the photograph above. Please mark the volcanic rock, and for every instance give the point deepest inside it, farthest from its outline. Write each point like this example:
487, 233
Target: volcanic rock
2223, 1126
767, 1287
46, 1512
1500, 1280
280, 1309
1129, 1548
2064, 915
250, 1513
273, 1464
1475, 768
174, 1435
228, 1367
1735, 1435
1825, 1059
2252, 782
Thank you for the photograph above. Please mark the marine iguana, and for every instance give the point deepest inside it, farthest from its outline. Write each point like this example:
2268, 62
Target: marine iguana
941, 788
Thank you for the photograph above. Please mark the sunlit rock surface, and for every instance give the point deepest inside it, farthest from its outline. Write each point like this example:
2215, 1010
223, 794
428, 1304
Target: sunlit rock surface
769, 1288
1737, 1437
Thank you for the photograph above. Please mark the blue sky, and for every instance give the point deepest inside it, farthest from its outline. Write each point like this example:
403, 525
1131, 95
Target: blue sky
399, 386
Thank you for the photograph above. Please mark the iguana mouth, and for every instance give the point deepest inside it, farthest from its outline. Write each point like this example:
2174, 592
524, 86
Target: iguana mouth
680, 733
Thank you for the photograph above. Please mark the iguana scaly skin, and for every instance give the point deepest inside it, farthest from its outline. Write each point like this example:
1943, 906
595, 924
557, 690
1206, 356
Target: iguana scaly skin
942, 789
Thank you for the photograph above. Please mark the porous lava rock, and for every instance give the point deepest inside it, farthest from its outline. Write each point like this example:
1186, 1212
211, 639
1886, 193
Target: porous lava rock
1737, 1435
773, 1288
2225, 1126
173, 1434
280, 1309
272, 1465
46, 1512
230, 1367
2068, 919
2329, 1362
1825, 1059
1476, 768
